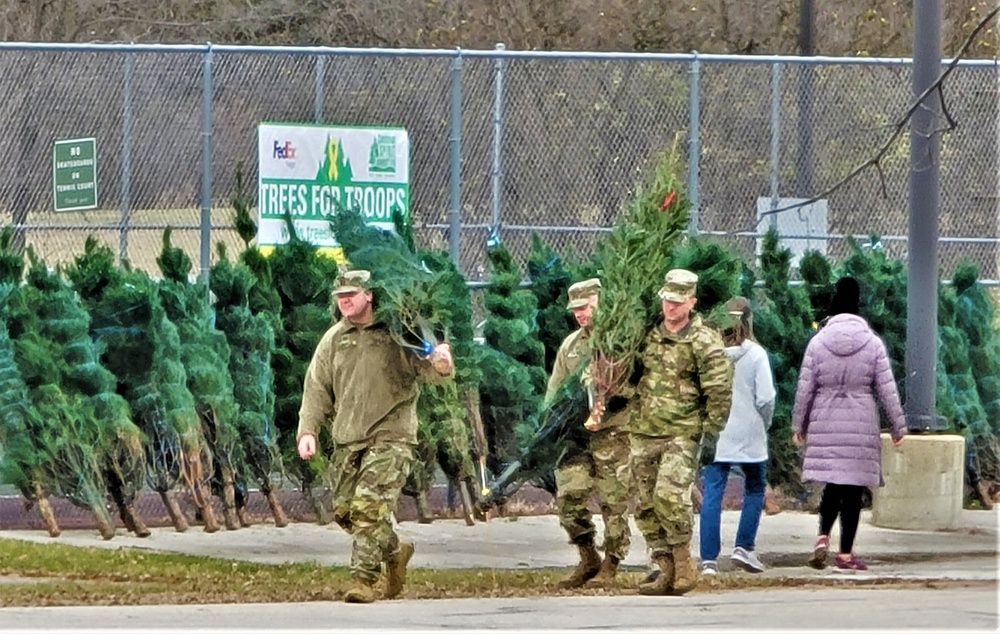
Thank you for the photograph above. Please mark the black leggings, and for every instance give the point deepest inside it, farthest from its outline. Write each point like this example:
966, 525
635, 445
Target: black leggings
845, 500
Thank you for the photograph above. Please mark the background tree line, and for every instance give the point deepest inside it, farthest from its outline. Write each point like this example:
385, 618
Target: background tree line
843, 27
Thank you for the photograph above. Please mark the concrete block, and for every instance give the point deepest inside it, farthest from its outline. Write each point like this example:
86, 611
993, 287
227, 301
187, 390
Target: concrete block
924, 483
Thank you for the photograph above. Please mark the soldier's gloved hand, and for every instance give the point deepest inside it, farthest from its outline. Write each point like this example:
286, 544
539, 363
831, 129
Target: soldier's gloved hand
307, 446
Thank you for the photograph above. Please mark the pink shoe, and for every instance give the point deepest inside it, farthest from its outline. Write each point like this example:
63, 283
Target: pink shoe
818, 559
851, 563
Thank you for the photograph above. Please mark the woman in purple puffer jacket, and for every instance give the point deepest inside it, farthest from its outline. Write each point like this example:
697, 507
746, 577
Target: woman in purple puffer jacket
845, 374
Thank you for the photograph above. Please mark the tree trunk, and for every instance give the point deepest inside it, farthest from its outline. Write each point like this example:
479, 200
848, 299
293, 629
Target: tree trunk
45, 510
229, 513
280, 519
174, 509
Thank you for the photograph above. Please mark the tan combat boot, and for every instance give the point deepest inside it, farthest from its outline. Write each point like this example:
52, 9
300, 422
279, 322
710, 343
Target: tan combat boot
685, 575
361, 591
395, 569
605, 577
664, 582
587, 569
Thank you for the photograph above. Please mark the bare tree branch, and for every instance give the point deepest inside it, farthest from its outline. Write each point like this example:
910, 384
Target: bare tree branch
918, 103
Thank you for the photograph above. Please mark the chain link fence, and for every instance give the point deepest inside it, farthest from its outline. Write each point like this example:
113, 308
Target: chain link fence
505, 143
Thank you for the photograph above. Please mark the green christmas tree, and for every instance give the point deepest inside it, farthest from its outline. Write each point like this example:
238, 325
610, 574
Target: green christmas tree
251, 342
142, 349
974, 316
205, 354
27, 462
511, 362
104, 414
550, 279
291, 292
422, 298
883, 296
64, 434
783, 325
633, 261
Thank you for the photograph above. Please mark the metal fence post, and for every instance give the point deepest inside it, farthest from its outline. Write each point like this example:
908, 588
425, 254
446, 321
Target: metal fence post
455, 143
497, 141
775, 140
126, 165
319, 88
694, 142
206, 163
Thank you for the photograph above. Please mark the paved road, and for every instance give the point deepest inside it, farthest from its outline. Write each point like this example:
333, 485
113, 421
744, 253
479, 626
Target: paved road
793, 609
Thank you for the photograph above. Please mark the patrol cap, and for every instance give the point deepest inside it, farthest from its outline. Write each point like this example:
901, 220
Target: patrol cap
351, 282
581, 292
679, 285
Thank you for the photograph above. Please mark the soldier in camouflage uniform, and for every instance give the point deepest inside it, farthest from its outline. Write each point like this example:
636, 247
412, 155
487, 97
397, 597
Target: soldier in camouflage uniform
602, 468
365, 384
684, 392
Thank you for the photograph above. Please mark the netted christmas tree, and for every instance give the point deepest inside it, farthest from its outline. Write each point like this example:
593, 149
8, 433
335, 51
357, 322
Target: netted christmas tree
631, 263
291, 291
883, 296
967, 415
817, 278
64, 436
118, 442
550, 279
422, 299
303, 278
251, 343
205, 354
27, 461
974, 316
783, 321
512, 362
722, 273
142, 348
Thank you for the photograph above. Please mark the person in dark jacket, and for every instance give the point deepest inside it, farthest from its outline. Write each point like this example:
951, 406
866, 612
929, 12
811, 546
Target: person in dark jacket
845, 375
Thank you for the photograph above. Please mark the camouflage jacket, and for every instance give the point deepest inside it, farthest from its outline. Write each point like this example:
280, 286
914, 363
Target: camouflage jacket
573, 353
365, 384
686, 387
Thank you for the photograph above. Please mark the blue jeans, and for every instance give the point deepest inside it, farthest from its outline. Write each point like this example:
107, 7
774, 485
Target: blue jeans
715, 476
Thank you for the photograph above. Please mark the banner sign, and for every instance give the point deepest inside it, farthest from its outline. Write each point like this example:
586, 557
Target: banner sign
307, 171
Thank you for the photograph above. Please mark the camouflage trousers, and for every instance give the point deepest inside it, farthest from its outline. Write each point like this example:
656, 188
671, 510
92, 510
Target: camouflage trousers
602, 469
367, 484
664, 470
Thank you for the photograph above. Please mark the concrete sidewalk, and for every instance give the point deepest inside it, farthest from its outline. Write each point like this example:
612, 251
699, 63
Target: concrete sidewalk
784, 543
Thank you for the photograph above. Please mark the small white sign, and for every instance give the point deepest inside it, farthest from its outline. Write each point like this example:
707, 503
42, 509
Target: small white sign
801, 229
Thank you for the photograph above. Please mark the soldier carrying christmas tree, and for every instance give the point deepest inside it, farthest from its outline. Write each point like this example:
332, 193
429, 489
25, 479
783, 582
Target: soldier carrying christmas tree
365, 381
684, 391
601, 467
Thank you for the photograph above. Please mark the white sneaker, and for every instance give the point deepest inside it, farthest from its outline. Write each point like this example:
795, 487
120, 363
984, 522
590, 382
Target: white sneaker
709, 568
747, 560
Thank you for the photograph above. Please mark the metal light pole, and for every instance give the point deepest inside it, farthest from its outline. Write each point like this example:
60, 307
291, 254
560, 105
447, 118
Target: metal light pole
925, 151
807, 48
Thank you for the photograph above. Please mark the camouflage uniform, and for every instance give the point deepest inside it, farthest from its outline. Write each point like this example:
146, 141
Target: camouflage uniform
367, 384
685, 391
602, 468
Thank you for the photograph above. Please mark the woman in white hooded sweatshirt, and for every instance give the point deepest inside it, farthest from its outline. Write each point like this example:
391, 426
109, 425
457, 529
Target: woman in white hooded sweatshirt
742, 443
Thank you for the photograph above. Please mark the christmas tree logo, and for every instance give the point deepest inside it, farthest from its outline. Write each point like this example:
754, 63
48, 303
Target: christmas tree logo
382, 157
336, 167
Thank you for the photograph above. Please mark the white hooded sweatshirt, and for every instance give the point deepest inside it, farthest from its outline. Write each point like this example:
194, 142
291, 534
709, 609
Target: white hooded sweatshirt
744, 438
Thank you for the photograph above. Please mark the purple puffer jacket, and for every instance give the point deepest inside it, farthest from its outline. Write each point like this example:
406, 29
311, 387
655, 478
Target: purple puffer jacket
844, 369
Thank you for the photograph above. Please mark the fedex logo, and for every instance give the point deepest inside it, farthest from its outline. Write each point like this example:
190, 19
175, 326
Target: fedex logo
284, 152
